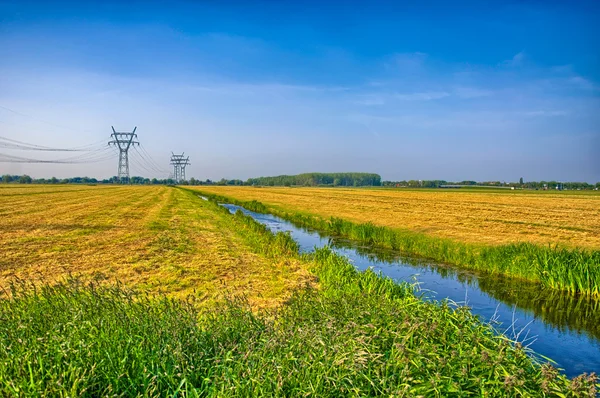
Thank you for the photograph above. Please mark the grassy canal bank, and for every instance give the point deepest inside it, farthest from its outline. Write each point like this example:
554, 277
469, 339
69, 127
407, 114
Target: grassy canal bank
575, 270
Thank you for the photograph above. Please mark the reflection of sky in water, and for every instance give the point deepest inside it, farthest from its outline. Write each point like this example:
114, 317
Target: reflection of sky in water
571, 340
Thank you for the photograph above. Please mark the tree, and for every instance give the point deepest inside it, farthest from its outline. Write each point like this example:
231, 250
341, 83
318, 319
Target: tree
6, 178
315, 179
521, 180
25, 179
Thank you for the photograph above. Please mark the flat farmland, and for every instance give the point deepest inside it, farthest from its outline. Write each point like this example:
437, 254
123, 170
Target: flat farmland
494, 217
155, 238
357, 333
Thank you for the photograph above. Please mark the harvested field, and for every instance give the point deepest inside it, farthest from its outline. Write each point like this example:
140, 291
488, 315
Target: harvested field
571, 219
156, 238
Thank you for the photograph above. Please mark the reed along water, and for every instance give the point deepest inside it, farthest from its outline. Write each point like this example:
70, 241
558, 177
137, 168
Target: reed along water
562, 327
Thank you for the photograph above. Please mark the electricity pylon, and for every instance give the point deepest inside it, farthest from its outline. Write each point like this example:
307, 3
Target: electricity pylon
179, 164
123, 141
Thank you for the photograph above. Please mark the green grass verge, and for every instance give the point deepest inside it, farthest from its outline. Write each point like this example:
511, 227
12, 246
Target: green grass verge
576, 271
357, 334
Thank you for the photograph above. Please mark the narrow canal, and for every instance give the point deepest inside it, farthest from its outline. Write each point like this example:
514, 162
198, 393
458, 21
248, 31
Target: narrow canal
558, 326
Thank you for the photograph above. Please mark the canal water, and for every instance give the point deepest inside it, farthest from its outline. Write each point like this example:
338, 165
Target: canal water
555, 325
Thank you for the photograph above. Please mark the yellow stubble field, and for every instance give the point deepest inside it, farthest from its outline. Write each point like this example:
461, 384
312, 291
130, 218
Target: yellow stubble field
153, 238
476, 216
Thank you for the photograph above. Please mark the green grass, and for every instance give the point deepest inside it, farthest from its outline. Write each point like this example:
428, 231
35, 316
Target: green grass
575, 271
357, 334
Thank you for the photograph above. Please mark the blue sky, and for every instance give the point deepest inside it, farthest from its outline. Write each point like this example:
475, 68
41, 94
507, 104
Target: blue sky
437, 90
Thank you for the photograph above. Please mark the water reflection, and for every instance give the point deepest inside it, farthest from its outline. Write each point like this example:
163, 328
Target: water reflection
563, 311
559, 326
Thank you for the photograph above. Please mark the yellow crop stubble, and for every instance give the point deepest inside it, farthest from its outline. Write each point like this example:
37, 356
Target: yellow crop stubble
491, 218
154, 238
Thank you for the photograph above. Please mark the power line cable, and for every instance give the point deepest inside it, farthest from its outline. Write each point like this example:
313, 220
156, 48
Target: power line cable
146, 166
149, 163
137, 165
152, 160
16, 144
38, 119
89, 154
144, 161
12, 159
87, 158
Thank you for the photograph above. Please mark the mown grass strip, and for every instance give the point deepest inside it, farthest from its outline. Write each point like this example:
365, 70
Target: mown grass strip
576, 271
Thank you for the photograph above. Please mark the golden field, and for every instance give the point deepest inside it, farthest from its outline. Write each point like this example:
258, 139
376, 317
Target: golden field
475, 216
154, 238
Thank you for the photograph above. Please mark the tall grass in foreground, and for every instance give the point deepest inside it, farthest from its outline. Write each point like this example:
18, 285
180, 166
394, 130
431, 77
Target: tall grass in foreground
574, 270
357, 335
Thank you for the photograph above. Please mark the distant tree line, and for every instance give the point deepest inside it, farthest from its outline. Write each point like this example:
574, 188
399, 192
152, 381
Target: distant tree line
308, 179
523, 185
25, 179
419, 183
555, 184
319, 179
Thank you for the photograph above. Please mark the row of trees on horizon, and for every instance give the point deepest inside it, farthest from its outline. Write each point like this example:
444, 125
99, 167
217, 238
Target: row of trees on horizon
497, 184
317, 179
308, 179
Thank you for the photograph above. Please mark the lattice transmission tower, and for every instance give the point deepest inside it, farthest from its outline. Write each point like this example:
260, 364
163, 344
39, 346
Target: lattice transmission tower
123, 141
179, 163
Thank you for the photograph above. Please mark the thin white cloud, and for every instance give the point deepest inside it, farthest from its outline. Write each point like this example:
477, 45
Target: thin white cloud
568, 68
471, 92
516, 60
263, 88
370, 119
571, 84
424, 96
546, 113
582, 83
370, 100
408, 62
